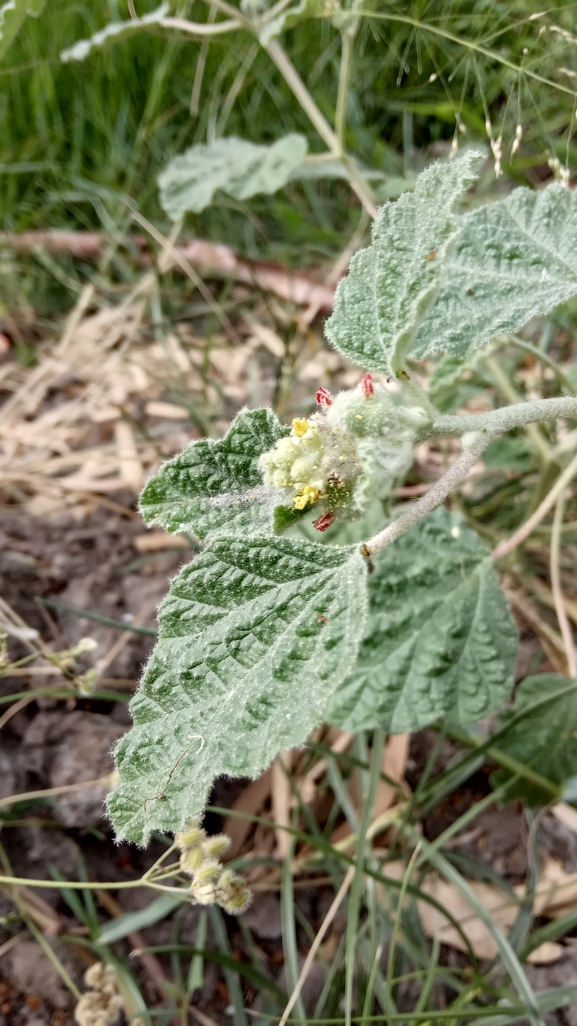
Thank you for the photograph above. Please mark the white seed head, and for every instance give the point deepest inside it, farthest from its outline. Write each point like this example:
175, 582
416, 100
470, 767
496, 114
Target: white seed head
98, 1009
100, 977
102, 1005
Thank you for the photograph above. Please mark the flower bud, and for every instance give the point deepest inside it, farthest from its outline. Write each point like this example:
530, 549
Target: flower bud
191, 859
323, 522
88, 682
362, 415
351, 451
323, 397
215, 846
368, 386
85, 645
203, 893
208, 872
191, 837
234, 895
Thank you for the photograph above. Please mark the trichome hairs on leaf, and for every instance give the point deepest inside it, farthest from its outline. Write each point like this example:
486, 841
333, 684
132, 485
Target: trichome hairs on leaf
263, 638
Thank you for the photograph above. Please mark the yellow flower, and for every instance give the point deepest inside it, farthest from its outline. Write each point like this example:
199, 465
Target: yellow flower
300, 426
305, 496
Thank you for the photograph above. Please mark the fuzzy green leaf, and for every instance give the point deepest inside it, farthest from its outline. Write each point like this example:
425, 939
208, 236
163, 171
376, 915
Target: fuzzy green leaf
381, 303
511, 260
255, 635
441, 639
446, 373
540, 731
12, 16
113, 33
509, 453
240, 168
213, 487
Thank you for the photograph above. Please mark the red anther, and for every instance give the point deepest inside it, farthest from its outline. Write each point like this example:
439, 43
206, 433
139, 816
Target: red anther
368, 386
324, 521
323, 397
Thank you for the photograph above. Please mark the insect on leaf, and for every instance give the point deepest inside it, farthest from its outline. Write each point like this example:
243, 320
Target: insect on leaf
381, 303
255, 636
216, 486
114, 33
240, 168
441, 640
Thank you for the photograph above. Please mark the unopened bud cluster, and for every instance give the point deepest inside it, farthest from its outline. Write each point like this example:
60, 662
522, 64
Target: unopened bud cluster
66, 659
351, 451
212, 884
102, 1004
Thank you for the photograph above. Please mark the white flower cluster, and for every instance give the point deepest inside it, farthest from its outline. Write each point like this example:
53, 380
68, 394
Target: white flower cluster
350, 452
211, 882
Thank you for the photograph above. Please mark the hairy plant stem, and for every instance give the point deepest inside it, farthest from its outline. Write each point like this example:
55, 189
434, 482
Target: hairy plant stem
82, 885
507, 389
431, 499
201, 28
484, 427
505, 419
